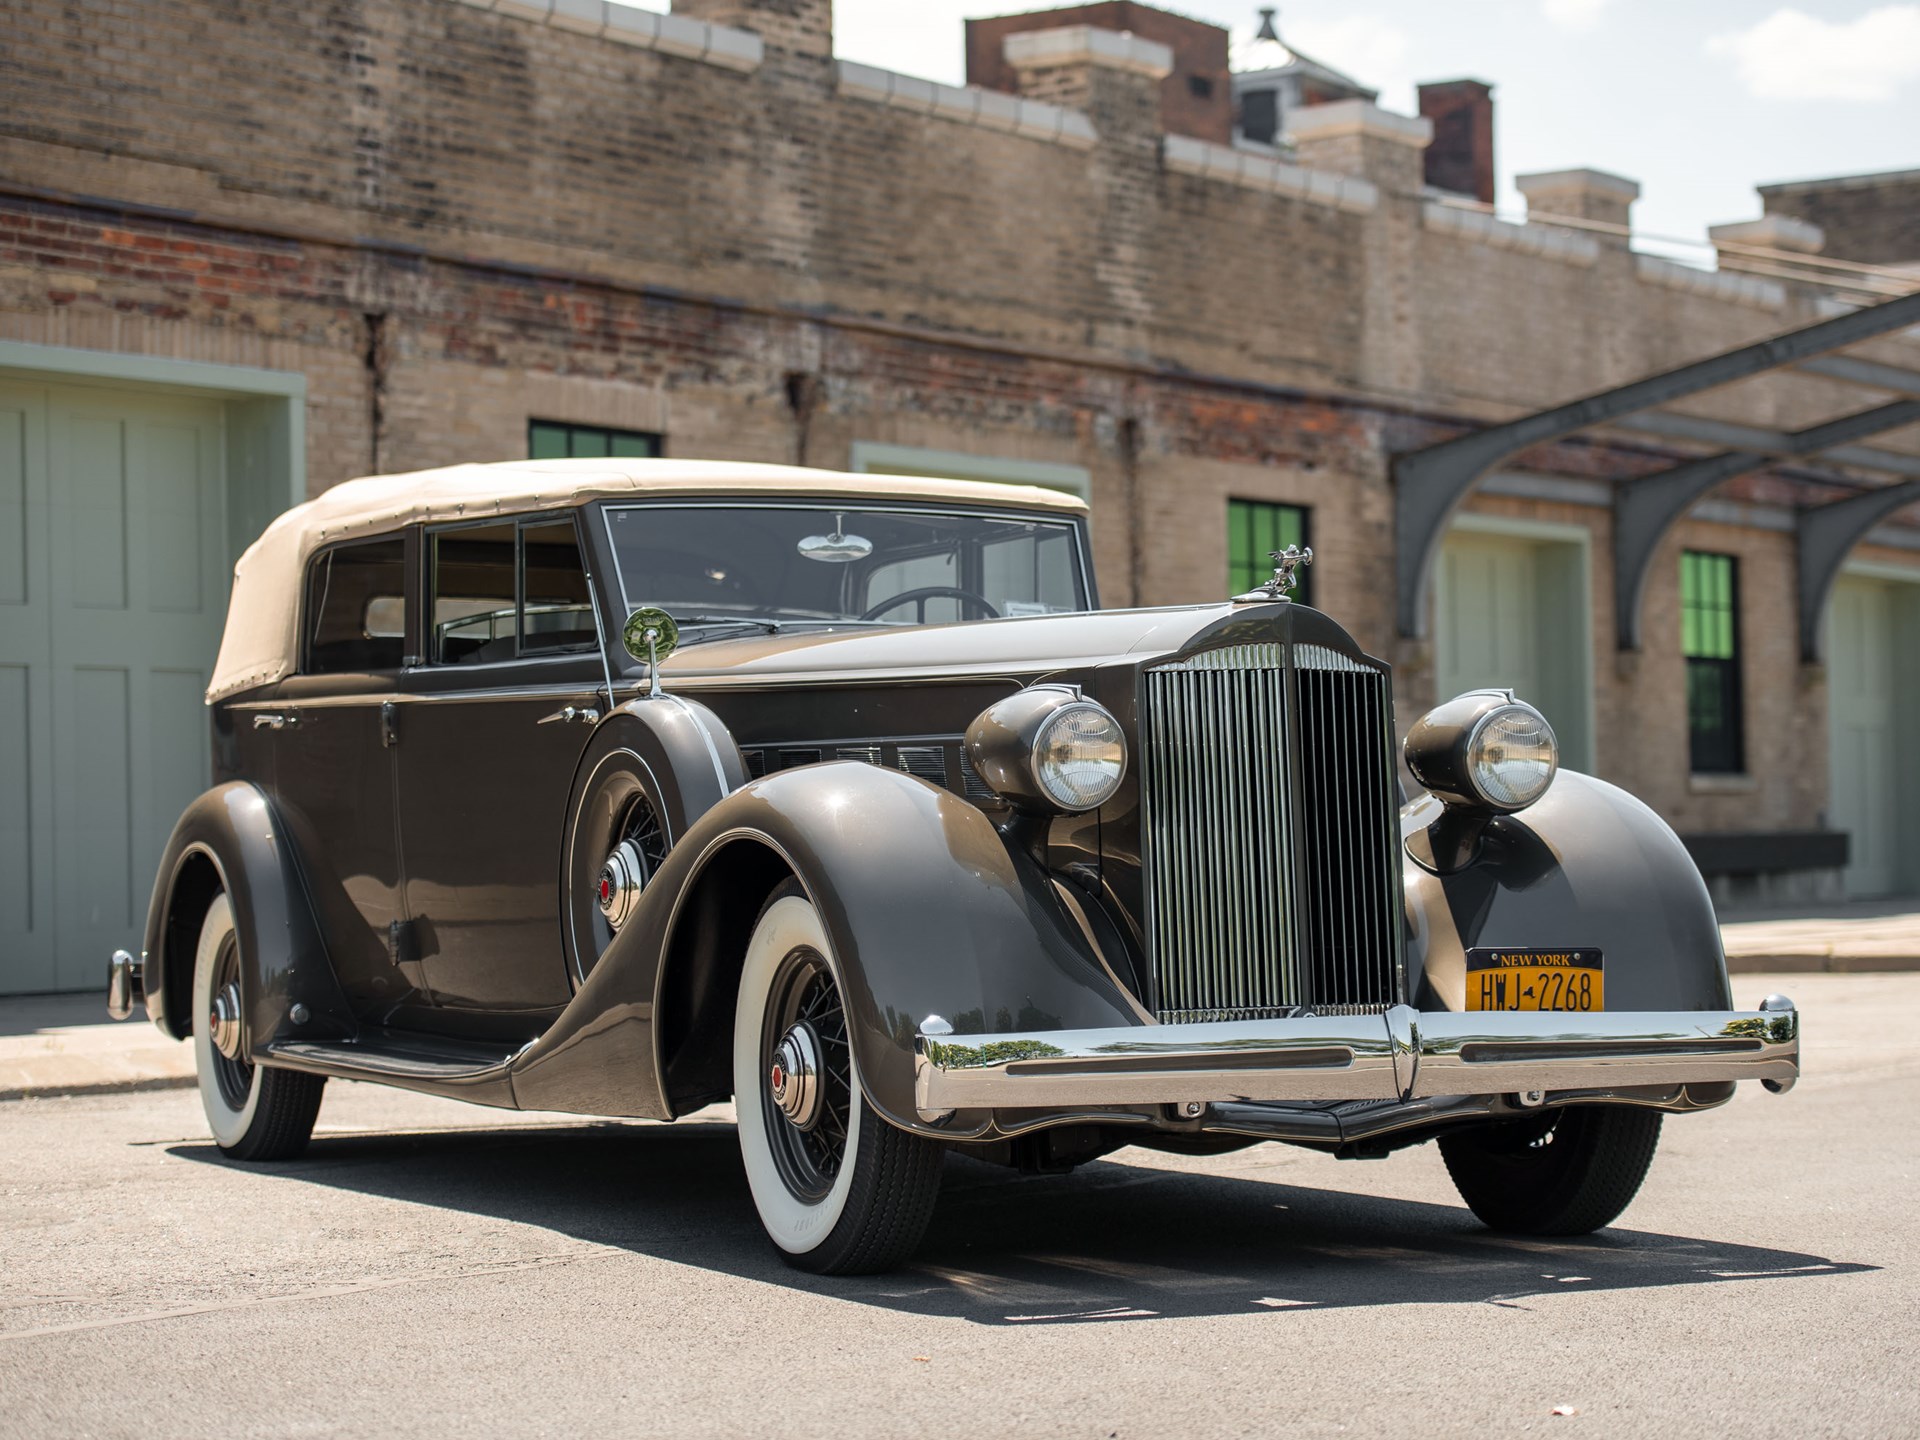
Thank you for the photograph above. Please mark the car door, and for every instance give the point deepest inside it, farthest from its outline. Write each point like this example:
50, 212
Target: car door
331, 772
490, 728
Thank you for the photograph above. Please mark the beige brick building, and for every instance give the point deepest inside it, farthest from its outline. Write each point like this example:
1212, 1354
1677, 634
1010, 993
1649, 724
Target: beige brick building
249, 251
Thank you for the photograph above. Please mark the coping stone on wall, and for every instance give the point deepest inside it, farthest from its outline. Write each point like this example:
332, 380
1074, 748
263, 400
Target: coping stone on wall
966, 105
1715, 284
1257, 170
645, 29
1542, 240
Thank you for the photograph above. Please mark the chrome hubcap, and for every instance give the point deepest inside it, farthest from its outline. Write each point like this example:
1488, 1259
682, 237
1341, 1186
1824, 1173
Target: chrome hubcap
794, 1077
223, 1023
621, 880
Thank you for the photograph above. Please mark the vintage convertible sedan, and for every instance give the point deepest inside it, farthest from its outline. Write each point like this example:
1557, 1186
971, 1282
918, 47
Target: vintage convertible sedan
626, 787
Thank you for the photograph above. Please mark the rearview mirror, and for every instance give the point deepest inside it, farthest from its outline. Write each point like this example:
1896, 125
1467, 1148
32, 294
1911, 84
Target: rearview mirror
837, 548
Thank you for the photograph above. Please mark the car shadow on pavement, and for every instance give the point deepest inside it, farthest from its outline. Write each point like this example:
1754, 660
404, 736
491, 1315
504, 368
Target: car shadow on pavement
1111, 1242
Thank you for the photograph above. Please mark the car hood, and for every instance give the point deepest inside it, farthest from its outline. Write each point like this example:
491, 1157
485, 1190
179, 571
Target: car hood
1031, 645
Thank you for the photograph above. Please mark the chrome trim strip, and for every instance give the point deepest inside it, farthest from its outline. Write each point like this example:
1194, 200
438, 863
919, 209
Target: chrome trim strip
1401, 1055
713, 751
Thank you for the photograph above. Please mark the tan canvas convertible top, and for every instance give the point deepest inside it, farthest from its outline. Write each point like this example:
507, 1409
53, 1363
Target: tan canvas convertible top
261, 644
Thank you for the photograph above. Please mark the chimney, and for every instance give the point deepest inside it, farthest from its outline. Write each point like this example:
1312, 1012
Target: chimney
1581, 195
798, 27
1460, 158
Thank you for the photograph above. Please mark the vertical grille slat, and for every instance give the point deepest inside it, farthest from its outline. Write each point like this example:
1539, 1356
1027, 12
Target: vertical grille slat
1243, 793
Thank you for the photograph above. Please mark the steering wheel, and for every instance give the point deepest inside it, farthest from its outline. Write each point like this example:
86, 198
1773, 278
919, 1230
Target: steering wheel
967, 598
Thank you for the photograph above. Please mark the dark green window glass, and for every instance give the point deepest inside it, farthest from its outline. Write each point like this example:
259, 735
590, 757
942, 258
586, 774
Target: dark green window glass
551, 440
1255, 530
1710, 641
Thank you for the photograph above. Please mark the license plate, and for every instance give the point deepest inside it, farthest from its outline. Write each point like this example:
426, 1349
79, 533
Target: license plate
1534, 980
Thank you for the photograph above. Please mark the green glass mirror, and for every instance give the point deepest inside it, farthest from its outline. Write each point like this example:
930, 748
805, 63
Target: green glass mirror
650, 634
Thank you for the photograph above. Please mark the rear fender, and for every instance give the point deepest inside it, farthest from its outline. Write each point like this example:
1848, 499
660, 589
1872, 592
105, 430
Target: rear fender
930, 910
1587, 865
228, 841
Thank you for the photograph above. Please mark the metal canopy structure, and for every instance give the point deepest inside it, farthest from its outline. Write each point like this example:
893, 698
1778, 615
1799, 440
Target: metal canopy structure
1431, 484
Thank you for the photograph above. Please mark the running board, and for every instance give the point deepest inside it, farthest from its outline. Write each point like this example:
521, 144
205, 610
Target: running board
460, 1069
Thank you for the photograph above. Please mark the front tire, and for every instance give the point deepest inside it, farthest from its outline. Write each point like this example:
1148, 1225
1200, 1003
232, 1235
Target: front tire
1566, 1172
839, 1190
255, 1113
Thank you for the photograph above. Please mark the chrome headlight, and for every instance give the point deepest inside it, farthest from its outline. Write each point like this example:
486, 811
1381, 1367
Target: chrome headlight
1047, 748
1484, 750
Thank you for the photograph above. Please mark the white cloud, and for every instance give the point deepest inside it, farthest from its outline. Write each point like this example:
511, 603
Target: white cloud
1573, 14
1794, 56
1373, 51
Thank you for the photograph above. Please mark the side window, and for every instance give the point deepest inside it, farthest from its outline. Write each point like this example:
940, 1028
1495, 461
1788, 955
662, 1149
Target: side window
356, 608
506, 590
1710, 640
559, 615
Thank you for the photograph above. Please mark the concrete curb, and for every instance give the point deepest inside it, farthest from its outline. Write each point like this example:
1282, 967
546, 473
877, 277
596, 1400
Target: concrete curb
1821, 964
97, 1087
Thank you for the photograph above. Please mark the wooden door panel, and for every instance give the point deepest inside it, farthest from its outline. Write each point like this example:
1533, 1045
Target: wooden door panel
26, 710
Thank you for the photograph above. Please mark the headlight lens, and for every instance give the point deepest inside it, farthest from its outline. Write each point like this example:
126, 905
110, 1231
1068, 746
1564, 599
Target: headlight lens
1511, 757
1079, 756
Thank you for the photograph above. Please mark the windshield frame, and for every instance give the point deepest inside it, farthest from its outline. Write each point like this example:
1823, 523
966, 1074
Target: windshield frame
1076, 523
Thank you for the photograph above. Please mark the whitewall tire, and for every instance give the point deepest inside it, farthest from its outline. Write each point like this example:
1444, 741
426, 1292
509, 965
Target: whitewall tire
839, 1190
255, 1113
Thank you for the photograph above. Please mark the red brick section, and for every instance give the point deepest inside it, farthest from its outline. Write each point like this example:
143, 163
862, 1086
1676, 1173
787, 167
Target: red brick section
1196, 99
1461, 155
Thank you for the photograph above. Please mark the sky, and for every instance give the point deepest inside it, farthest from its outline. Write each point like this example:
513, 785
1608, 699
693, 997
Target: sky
1698, 100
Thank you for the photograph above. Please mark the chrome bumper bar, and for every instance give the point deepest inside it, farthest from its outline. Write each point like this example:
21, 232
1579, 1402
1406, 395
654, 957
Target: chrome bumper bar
1403, 1054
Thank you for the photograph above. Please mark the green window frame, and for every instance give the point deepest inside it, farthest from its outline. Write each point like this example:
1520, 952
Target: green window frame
558, 440
1710, 641
1256, 528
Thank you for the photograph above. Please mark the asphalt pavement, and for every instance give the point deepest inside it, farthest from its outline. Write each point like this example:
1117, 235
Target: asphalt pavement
433, 1269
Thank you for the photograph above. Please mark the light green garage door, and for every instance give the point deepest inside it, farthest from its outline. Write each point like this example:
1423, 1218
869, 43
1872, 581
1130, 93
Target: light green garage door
1873, 633
113, 583
1510, 610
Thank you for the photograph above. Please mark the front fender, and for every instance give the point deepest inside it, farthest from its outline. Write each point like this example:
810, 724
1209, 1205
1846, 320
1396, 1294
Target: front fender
930, 909
1588, 865
228, 837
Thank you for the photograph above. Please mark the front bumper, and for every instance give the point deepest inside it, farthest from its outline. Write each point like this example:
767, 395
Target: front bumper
1403, 1054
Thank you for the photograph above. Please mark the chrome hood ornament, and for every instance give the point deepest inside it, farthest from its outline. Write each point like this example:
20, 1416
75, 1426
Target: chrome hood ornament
1285, 563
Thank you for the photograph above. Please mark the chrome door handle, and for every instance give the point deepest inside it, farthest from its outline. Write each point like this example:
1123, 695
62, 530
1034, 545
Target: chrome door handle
587, 713
274, 722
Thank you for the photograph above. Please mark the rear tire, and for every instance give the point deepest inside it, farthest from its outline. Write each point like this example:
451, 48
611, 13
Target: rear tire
839, 1190
255, 1113
1567, 1172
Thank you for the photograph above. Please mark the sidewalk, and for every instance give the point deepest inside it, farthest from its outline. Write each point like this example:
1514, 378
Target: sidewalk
65, 1045
1845, 937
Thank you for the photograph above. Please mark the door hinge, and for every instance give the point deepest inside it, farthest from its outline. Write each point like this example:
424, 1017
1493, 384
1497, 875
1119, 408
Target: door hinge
389, 723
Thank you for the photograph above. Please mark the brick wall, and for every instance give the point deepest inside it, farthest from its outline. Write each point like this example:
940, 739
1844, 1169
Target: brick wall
537, 222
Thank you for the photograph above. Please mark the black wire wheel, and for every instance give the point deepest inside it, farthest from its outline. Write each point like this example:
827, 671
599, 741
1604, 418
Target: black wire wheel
839, 1190
255, 1112
615, 843
1568, 1171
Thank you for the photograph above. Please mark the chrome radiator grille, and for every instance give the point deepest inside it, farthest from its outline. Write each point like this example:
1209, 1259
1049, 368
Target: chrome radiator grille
1270, 834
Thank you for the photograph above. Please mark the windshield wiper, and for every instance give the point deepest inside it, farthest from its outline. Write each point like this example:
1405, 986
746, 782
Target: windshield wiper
772, 627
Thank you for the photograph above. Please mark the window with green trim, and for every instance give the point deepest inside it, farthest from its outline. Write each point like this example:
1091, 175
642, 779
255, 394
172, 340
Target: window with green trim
1710, 640
1255, 529
553, 440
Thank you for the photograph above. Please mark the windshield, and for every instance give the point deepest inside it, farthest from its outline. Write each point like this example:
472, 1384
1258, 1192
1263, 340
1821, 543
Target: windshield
780, 564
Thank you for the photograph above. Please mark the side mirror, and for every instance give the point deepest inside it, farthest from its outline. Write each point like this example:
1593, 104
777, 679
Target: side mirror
650, 634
